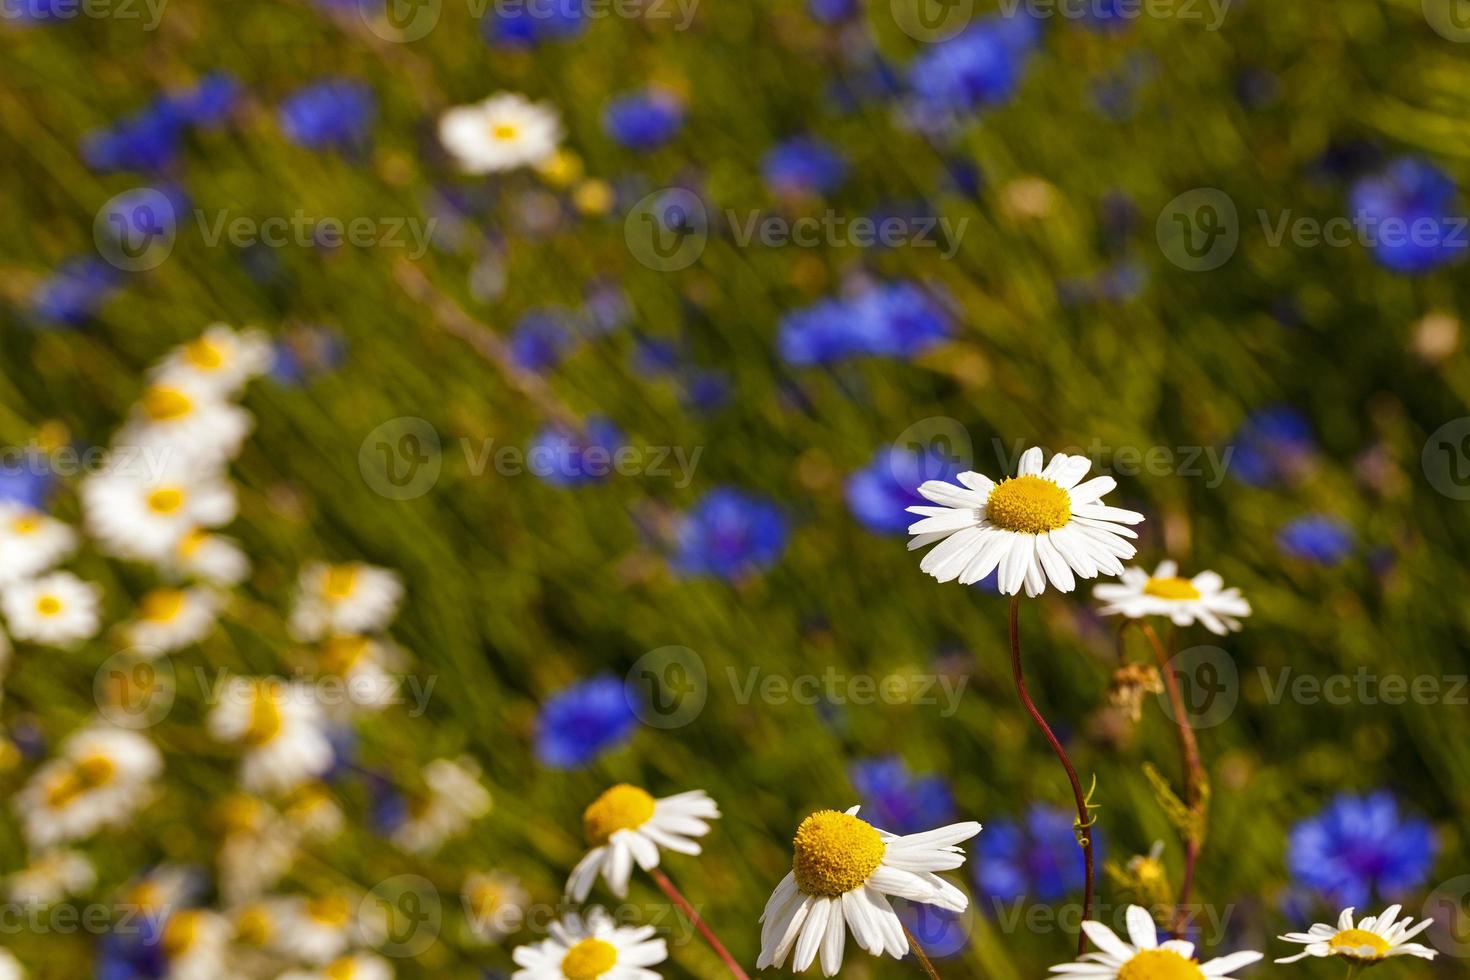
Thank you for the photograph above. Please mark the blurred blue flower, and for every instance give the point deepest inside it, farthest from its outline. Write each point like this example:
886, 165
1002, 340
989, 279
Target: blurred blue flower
1035, 858
565, 458
333, 113
832, 11
821, 333
706, 391
900, 318
583, 721
541, 339
27, 480
1272, 445
135, 952
209, 102
1316, 537
643, 120
1409, 216
899, 801
526, 24
978, 68
147, 141
803, 166
1361, 848
75, 291
730, 534
880, 493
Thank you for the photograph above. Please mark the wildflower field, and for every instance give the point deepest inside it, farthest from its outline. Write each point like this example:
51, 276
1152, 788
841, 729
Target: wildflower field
487, 486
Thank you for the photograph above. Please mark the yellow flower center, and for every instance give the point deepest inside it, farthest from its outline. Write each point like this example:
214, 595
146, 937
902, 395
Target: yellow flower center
253, 926
190, 543
1028, 504
48, 606
623, 807
340, 653
589, 959
1179, 589
162, 605
180, 933
166, 500
1160, 964
26, 524
166, 404
339, 582
835, 853
1359, 944
331, 910
90, 773
343, 969
504, 131
265, 716
204, 354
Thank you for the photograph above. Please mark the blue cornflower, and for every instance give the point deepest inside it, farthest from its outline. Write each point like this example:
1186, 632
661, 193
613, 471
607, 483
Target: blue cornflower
822, 333
880, 493
643, 120
804, 166
1361, 848
147, 141
706, 391
566, 458
899, 320
977, 69
541, 339
1033, 858
1271, 445
26, 481
524, 25
334, 113
1316, 537
75, 292
136, 953
1409, 216
832, 11
730, 534
209, 102
899, 801
583, 721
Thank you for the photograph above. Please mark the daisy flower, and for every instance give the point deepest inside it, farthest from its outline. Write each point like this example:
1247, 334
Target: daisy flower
280, 726
30, 542
315, 930
195, 942
187, 417
1043, 525
1185, 601
344, 599
842, 872
55, 610
584, 947
455, 799
144, 512
359, 966
503, 132
221, 360
101, 776
368, 669
626, 824
210, 558
171, 619
10, 968
51, 877
1372, 939
1145, 956
494, 905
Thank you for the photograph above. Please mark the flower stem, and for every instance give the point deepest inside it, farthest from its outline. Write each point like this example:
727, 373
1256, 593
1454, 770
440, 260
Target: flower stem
919, 952
663, 882
1084, 818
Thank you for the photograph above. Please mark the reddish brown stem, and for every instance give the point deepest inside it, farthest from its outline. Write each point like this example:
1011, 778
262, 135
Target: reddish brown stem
663, 882
919, 952
1084, 819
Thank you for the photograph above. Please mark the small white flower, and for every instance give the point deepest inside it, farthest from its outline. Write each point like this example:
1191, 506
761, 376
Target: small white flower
143, 512
359, 966
1146, 956
455, 800
221, 360
369, 669
1372, 939
186, 418
494, 905
210, 558
55, 610
10, 968
171, 619
30, 542
280, 725
196, 942
1043, 525
503, 132
842, 872
51, 877
99, 779
344, 599
626, 825
581, 948
316, 930
1185, 601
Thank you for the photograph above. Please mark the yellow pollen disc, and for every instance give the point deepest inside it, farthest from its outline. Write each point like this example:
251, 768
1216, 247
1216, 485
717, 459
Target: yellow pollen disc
339, 582
1354, 943
265, 717
190, 543
623, 807
91, 773
589, 959
1160, 964
166, 500
49, 605
180, 933
1028, 504
204, 354
253, 926
331, 910
343, 969
504, 131
1171, 588
166, 404
835, 853
340, 653
26, 524
162, 605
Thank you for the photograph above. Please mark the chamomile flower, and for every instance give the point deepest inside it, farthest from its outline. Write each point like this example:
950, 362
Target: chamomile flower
55, 610
1185, 601
99, 779
1371, 940
210, 558
316, 930
170, 619
143, 512
359, 966
1042, 526
503, 132
494, 905
51, 877
455, 799
195, 943
30, 542
1145, 956
352, 598
280, 726
626, 825
584, 947
187, 418
10, 968
221, 360
842, 872
368, 668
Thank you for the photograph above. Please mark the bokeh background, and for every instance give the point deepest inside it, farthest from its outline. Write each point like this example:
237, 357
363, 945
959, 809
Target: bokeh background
1104, 274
